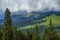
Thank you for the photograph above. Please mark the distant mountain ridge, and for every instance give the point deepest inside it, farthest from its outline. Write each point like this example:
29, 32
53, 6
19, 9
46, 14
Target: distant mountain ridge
21, 19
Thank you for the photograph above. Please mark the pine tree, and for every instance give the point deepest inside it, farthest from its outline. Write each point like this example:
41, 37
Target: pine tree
36, 34
20, 35
0, 35
27, 37
14, 32
59, 35
31, 36
49, 33
6, 29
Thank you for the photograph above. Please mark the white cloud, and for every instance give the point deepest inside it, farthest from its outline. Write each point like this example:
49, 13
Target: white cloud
24, 7
30, 5
50, 4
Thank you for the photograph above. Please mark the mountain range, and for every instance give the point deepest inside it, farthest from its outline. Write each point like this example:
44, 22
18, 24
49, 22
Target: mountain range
22, 18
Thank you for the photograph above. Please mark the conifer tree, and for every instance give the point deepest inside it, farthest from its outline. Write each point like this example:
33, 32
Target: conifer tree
20, 35
36, 34
27, 37
49, 33
0, 35
6, 29
14, 32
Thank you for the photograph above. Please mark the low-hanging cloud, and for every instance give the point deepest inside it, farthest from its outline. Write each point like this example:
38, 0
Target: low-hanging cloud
30, 5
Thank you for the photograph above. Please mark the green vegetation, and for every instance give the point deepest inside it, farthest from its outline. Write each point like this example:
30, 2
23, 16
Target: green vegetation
6, 29
10, 32
36, 34
55, 20
49, 33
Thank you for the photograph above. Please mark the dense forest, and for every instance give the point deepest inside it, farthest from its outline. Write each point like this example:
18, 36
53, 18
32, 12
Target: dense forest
10, 32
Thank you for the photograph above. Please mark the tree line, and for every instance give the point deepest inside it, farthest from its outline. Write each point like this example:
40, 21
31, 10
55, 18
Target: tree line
9, 32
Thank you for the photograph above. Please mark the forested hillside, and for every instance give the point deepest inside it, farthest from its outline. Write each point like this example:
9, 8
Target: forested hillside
8, 31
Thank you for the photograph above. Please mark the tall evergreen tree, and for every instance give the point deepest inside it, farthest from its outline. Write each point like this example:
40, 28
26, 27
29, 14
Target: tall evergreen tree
0, 35
20, 35
27, 37
49, 33
36, 34
6, 29
14, 32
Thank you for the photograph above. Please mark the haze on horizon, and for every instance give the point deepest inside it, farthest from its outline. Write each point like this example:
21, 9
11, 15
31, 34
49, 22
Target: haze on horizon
30, 5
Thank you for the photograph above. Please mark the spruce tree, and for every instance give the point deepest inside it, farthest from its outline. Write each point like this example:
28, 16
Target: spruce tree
20, 35
49, 33
6, 29
36, 34
0, 35
27, 37
14, 32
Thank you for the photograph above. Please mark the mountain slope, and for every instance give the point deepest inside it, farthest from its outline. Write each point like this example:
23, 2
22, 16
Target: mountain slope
32, 18
55, 20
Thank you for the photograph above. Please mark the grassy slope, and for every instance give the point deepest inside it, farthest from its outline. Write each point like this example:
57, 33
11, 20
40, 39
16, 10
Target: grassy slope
55, 21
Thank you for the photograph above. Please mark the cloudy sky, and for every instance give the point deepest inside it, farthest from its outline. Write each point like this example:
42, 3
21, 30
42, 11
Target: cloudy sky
30, 5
